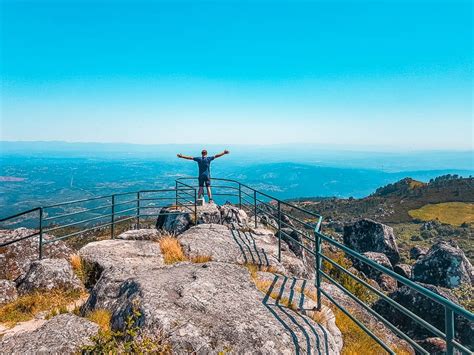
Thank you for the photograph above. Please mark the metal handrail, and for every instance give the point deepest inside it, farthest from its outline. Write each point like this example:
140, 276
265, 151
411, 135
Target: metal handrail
253, 200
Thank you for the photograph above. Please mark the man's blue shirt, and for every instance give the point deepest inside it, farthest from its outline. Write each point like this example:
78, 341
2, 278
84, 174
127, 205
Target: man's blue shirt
204, 164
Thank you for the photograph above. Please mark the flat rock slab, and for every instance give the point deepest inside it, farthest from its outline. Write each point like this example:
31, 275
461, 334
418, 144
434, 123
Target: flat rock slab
296, 292
235, 246
208, 308
63, 334
122, 253
140, 234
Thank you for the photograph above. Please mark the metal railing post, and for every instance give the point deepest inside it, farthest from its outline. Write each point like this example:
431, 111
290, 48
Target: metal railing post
138, 210
279, 231
317, 251
41, 233
449, 330
176, 191
255, 206
195, 208
112, 227
240, 195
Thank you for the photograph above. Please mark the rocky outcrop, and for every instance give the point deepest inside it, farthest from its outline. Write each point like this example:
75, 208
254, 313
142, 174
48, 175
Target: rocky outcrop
427, 309
174, 220
140, 234
8, 291
444, 265
417, 252
301, 294
177, 220
367, 235
208, 308
385, 282
16, 258
239, 247
48, 274
120, 254
292, 238
435, 346
233, 216
403, 270
63, 334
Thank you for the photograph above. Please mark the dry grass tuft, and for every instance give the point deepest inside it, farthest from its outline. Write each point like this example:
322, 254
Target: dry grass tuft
28, 306
199, 259
172, 250
77, 266
101, 317
254, 268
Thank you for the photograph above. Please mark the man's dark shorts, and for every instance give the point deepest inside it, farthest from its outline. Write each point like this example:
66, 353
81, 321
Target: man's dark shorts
204, 181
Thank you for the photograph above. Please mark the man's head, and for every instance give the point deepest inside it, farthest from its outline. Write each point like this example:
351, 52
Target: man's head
204, 153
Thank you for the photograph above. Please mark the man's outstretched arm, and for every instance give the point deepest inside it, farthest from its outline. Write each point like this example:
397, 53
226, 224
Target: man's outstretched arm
221, 154
185, 157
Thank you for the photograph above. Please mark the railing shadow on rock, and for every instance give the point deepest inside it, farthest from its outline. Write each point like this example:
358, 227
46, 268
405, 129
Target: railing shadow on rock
297, 227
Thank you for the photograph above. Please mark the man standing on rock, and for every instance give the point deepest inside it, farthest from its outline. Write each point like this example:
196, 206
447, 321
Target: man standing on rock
204, 163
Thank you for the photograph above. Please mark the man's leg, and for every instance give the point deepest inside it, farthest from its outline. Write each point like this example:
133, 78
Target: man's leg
209, 193
201, 187
208, 187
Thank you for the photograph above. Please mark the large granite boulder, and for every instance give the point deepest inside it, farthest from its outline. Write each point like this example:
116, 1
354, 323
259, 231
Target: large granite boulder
106, 254
63, 334
8, 291
385, 282
177, 220
16, 258
427, 309
174, 220
444, 265
208, 308
239, 247
403, 270
233, 216
48, 274
367, 235
417, 252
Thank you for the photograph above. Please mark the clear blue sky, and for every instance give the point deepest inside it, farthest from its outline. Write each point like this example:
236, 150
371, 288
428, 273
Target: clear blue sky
395, 74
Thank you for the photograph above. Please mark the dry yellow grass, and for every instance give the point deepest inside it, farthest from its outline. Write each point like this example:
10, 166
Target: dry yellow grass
101, 317
199, 259
28, 306
171, 250
254, 268
454, 213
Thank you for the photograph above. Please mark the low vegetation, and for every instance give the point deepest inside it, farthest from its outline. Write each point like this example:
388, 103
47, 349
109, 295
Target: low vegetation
127, 341
357, 341
454, 213
28, 306
101, 317
173, 252
349, 283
